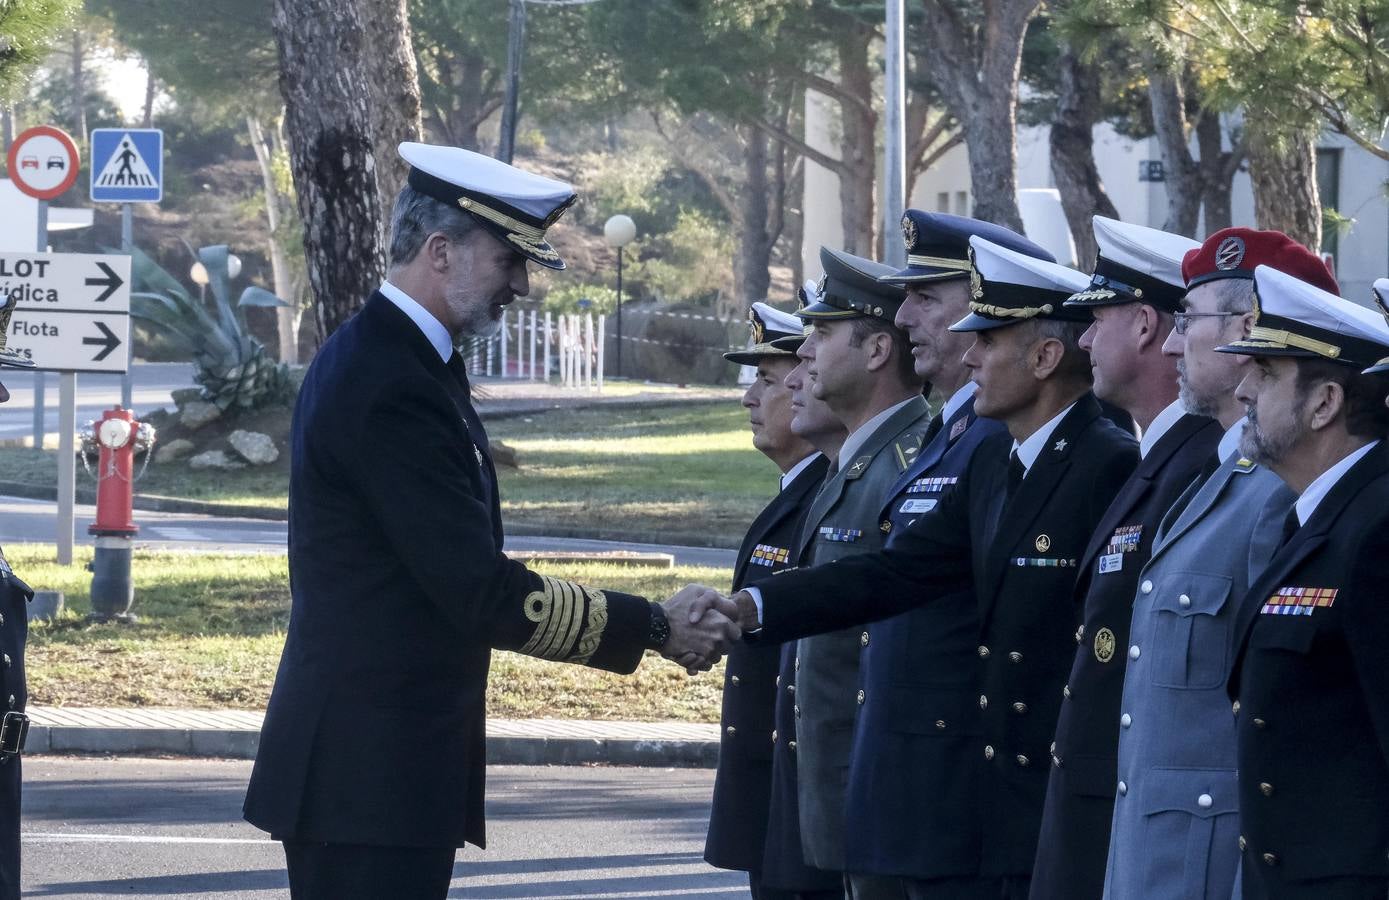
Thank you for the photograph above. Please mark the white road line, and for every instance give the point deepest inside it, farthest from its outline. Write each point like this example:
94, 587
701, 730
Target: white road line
58, 837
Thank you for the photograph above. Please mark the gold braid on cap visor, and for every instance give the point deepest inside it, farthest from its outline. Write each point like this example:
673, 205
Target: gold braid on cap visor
527, 237
940, 262
1288, 339
1010, 312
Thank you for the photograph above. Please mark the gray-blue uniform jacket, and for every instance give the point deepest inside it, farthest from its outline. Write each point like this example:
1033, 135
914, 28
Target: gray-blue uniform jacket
843, 521
1175, 824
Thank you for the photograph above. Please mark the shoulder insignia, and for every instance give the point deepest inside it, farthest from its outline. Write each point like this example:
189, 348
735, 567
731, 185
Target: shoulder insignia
858, 468
1298, 601
907, 451
1245, 465
959, 428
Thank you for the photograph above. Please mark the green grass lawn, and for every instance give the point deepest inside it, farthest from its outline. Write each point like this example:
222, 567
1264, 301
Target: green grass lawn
211, 628
676, 470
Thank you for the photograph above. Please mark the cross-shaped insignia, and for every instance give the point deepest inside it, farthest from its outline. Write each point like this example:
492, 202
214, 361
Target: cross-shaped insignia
1060, 445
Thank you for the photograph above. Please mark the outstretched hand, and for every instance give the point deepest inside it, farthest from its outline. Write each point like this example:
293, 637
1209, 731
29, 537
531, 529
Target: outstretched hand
702, 628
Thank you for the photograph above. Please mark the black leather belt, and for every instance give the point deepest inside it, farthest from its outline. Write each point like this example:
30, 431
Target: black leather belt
14, 728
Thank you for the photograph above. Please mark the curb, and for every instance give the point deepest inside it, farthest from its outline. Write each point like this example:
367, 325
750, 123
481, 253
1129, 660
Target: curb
501, 750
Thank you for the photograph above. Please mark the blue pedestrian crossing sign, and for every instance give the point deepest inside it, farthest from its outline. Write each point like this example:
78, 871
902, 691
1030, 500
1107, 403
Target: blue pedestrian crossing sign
127, 165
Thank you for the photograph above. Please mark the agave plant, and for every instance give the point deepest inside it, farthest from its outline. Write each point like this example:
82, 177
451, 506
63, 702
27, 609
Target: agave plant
229, 364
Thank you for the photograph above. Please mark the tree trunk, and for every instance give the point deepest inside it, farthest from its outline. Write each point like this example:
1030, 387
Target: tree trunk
328, 114
1283, 173
79, 91
751, 279
151, 87
286, 317
1073, 155
395, 89
1218, 168
6, 128
858, 140
1183, 176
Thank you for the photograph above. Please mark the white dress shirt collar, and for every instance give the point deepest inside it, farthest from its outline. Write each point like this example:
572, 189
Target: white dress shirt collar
434, 330
854, 442
1160, 426
1229, 442
790, 474
1316, 491
1030, 449
957, 400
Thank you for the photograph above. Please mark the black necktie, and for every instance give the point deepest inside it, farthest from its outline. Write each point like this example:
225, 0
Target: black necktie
933, 429
1016, 471
470, 416
1211, 465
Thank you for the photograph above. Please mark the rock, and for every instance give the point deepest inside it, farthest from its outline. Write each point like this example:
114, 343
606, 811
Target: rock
157, 417
215, 459
197, 413
256, 448
184, 396
504, 455
173, 451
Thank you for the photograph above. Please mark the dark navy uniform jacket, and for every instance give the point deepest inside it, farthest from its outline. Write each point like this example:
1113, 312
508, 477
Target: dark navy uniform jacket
1020, 559
1074, 842
743, 784
1312, 685
375, 728
912, 803
14, 628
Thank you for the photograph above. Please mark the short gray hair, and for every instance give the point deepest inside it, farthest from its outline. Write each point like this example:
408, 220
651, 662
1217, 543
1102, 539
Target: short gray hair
1234, 295
416, 216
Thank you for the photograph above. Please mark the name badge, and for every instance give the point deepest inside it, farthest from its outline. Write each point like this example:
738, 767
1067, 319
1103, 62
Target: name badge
1111, 563
917, 506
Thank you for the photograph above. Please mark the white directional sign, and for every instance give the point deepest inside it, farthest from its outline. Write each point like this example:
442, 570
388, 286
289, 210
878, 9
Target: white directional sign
73, 313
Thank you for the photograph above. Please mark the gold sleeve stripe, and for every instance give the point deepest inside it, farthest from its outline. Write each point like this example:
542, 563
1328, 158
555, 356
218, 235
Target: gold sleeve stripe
557, 611
597, 624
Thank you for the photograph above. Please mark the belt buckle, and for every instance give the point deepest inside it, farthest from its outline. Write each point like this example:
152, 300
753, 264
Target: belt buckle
14, 728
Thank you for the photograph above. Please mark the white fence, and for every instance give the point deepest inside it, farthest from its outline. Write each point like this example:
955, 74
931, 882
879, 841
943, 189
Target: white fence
536, 346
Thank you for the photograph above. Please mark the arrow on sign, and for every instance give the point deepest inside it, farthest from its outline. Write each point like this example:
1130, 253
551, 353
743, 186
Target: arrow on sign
107, 342
111, 282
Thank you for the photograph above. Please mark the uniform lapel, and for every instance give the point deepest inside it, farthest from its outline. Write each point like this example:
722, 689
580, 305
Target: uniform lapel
1204, 500
931, 455
786, 502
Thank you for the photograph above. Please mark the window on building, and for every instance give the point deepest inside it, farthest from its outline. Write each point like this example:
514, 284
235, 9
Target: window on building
962, 203
943, 202
1329, 186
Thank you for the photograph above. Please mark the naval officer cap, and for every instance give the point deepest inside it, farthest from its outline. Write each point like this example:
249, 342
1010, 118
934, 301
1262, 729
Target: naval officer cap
769, 326
517, 207
1297, 319
1380, 292
938, 245
1008, 287
851, 288
808, 294
1136, 264
9, 357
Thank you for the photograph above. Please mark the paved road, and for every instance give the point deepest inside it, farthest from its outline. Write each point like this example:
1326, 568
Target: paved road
152, 384
172, 828
35, 521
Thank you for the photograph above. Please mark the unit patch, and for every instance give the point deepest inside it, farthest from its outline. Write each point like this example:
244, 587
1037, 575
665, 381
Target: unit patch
1298, 601
1104, 645
840, 535
930, 485
767, 555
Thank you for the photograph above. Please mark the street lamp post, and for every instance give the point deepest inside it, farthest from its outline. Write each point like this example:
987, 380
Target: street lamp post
619, 231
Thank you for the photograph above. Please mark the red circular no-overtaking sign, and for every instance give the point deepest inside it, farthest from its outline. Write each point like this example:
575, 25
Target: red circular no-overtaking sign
43, 162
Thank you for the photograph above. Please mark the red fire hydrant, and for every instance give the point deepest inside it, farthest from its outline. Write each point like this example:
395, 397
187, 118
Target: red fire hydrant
116, 438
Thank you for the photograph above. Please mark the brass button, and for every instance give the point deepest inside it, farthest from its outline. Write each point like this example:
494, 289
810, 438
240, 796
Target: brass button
790, 689
1147, 586
860, 698
983, 702
1266, 789
1126, 720
1023, 760
797, 710
1056, 760
778, 681
886, 526
773, 735
1019, 708
1243, 844
1270, 859
798, 664
792, 745
863, 639
1123, 789
1080, 634
1066, 692
731, 730
983, 652
1134, 652
13, 701
7, 660
1260, 723
988, 752
2, 620
1234, 707
1015, 656
734, 679
940, 724
1205, 801
1052, 748
1183, 600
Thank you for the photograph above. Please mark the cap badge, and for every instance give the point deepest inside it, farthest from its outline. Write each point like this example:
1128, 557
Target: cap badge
976, 283
1229, 254
759, 330
820, 286
909, 232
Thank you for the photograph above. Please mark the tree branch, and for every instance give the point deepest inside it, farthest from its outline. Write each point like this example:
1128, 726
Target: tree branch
800, 146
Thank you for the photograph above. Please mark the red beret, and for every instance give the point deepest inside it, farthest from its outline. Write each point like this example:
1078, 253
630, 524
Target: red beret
1237, 252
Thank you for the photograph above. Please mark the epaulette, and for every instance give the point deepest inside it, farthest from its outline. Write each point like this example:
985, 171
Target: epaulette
1246, 465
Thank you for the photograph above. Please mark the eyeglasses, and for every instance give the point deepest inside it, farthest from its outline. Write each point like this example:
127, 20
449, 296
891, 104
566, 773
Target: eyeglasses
1182, 320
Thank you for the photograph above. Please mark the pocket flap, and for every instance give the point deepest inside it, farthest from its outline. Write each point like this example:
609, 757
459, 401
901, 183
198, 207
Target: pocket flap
1199, 792
1192, 593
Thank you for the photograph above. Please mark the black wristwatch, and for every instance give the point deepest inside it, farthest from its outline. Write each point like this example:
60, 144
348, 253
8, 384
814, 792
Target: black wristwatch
660, 628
